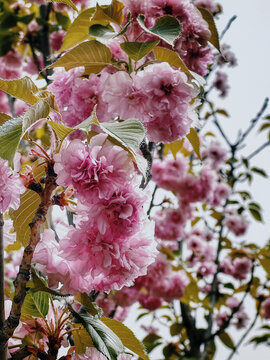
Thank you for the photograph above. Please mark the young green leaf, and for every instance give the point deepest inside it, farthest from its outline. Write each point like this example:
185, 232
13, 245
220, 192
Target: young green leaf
208, 17
137, 50
61, 130
167, 28
4, 117
195, 141
109, 13
81, 338
127, 337
93, 55
78, 31
34, 114
226, 339
103, 32
67, 2
10, 135
104, 339
35, 305
28, 206
23, 89
171, 57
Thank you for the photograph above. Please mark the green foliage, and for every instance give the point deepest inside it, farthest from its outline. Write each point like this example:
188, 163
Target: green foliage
137, 50
92, 54
67, 2
226, 340
36, 304
103, 337
166, 28
10, 135
127, 337
23, 89
92, 307
103, 32
151, 341
208, 17
195, 141
29, 202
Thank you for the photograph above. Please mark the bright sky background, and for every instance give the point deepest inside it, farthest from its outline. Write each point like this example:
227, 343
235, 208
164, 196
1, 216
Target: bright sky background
249, 82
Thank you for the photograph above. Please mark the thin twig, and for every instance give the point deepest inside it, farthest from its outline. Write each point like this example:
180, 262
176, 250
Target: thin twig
246, 333
227, 27
152, 200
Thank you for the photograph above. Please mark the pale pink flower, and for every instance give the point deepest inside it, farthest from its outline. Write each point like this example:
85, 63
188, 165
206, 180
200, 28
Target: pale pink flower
226, 56
95, 170
56, 39
221, 83
167, 113
121, 314
208, 5
77, 96
221, 192
121, 214
4, 105
126, 296
241, 320
169, 224
232, 303
11, 187
93, 354
221, 319
237, 224
150, 302
241, 267
207, 268
266, 308
106, 303
123, 96
10, 65
169, 172
112, 263
215, 154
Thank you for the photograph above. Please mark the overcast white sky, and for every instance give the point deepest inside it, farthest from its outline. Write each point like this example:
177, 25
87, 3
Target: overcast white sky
249, 81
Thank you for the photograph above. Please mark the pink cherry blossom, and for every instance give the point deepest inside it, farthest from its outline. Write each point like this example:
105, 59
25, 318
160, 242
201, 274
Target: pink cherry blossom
167, 114
93, 354
56, 39
95, 170
237, 224
221, 83
241, 267
169, 224
266, 308
10, 187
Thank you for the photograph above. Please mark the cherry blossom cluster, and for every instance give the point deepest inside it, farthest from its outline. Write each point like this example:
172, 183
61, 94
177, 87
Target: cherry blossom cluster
112, 243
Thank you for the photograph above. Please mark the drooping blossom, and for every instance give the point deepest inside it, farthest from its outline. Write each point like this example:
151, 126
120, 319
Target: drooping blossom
77, 96
169, 224
167, 113
10, 65
237, 224
266, 308
56, 39
10, 187
221, 83
168, 173
220, 193
119, 215
215, 155
94, 170
226, 56
209, 5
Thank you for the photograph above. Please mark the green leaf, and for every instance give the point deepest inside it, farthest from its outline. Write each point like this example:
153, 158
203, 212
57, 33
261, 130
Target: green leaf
208, 17
7, 38
4, 117
22, 89
61, 130
175, 329
171, 57
255, 211
195, 141
103, 337
167, 28
39, 284
264, 126
78, 31
110, 13
85, 300
34, 114
127, 337
137, 50
222, 112
10, 135
62, 20
104, 32
259, 171
128, 134
67, 2
36, 304
257, 340
93, 55
226, 340
29, 202
81, 338
173, 147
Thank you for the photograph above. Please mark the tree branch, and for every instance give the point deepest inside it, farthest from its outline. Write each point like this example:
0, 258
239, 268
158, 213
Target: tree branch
246, 333
23, 275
